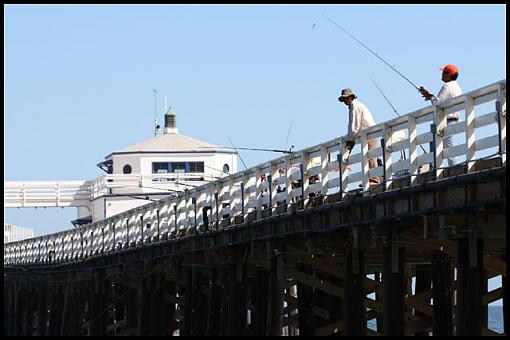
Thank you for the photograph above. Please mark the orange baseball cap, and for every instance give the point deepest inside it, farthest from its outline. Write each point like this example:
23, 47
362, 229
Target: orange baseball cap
450, 69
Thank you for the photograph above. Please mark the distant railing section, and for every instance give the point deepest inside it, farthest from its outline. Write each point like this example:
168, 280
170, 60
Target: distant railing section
47, 194
296, 179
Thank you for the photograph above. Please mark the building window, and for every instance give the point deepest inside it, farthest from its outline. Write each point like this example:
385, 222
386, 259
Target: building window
160, 167
196, 166
178, 167
226, 168
126, 169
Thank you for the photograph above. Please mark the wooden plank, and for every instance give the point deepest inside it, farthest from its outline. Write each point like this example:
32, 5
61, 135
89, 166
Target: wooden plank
418, 302
315, 282
492, 296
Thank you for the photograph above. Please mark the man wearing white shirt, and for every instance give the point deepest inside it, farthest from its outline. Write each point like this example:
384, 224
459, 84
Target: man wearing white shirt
450, 89
359, 118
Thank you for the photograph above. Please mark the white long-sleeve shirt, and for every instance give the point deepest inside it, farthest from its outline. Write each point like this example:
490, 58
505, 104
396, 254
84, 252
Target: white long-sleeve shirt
359, 118
449, 90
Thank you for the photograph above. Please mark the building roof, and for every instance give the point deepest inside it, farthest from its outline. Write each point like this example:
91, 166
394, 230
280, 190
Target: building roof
172, 142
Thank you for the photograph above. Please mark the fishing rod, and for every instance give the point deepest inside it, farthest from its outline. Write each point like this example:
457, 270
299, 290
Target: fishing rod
365, 46
241, 158
249, 149
373, 81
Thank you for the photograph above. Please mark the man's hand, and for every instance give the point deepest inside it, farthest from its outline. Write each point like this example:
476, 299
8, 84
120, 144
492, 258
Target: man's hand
349, 144
425, 93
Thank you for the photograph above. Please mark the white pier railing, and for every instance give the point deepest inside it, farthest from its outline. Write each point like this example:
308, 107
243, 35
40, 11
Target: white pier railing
323, 170
33, 194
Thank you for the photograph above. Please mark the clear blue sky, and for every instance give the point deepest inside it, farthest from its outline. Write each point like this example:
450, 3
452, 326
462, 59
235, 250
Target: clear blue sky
78, 79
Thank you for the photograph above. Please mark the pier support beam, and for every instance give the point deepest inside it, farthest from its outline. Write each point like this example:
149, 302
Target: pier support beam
171, 324
143, 307
29, 309
158, 310
236, 299
442, 294
56, 305
215, 306
42, 310
276, 287
199, 313
394, 282
423, 284
98, 304
193, 325
354, 295
306, 318
131, 308
469, 287
260, 300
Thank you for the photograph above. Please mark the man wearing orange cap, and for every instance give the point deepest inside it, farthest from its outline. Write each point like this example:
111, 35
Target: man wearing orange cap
450, 89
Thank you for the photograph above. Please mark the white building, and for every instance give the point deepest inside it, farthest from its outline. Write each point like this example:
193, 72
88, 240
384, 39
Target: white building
136, 175
14, 233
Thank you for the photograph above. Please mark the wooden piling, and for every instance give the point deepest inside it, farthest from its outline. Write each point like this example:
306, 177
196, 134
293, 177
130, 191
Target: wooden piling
236, 308
306, 318
422, 285
275, 305
98, 304
442, 294
56, 304
469, 287
354, 296
42, 310
215, 314
394, 293
29, 309
261, 293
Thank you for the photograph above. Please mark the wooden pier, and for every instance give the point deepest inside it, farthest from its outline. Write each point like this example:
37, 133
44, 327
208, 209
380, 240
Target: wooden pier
317, 271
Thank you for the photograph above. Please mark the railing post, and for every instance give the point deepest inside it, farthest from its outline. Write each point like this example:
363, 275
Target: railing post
470, 133
242, 197
270, 186
194, 202
432, 147
440, 121
114, 245
175, 218
81, 243
413, 155
501, 112
157, 218
127, 232
216, 200
365, 167
141, 225
302, 175
102, 237
386, 169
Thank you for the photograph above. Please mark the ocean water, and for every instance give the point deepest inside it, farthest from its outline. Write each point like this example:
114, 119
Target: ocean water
495, 319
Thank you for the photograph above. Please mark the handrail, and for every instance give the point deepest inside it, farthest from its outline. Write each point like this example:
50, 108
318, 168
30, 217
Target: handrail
270, 187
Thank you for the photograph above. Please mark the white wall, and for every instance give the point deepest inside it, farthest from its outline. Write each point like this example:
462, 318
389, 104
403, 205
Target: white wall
120, 160
142, 163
